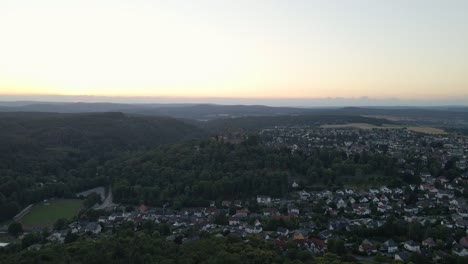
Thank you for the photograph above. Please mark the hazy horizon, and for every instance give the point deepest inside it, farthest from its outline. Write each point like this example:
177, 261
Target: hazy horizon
296, 50
286, 102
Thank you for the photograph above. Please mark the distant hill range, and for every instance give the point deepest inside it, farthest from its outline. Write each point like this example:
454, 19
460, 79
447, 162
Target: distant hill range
211, 111
188, 111
227, 115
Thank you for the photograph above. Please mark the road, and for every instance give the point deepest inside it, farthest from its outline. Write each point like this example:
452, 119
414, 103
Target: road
107, 202
99, 190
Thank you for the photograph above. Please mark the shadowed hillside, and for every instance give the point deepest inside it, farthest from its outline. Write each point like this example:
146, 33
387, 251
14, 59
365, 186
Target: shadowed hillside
48, 154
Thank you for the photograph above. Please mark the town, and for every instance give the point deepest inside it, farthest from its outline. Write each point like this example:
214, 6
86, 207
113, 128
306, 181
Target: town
426, 219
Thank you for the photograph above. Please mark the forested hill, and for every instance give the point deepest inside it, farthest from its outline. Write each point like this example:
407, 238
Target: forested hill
49, 154
192, 173
101, 131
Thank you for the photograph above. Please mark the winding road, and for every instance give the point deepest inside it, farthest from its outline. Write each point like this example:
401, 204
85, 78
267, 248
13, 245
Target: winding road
107, 202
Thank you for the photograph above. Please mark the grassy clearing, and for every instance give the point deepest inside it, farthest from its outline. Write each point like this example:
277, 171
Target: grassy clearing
45, 214
420, 129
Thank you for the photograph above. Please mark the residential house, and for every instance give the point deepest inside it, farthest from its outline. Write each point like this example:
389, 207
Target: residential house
389, 246
143, 208
382, 208
237, 203
295, 185
93, 227
464, 241
429, 242
226, 203
282, 231
384, 198
445, 194
367, 247
384, 189
299, 236
270, 212
402, 256
339, 225
411, 210
57, 236
242, 213
317, 246
293, 210
341, 204
310, 225
331, 212
461, 224
257, 223
361, 209
76, 227
460, 251
364, 200
253, 229
412, 246
304, 195
261, 199
234, 221
439, 255
325, 234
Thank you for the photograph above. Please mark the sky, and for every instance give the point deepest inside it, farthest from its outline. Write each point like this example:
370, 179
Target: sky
291, 49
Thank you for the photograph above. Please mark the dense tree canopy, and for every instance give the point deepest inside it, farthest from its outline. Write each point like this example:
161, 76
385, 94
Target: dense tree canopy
143, 248
47, 155
194, 172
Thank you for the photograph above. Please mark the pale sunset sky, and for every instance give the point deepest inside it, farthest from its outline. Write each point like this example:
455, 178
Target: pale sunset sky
407, 49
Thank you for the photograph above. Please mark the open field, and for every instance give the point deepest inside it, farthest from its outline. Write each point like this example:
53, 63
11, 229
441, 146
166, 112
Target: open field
361, 126
390, 118
427, 130
420, 129
45, 214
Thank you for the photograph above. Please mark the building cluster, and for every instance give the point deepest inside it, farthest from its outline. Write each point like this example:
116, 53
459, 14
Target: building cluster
315, 219
394, 142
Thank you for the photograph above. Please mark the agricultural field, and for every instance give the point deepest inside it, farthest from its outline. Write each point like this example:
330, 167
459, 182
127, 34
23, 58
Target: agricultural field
390, 118
361, 126
420, 129
427, 130
45, 214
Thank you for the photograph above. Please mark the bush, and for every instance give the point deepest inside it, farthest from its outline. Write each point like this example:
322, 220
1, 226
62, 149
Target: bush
15, 229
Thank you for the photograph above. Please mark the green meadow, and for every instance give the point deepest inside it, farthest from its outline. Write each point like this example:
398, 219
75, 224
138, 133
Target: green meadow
45, 214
